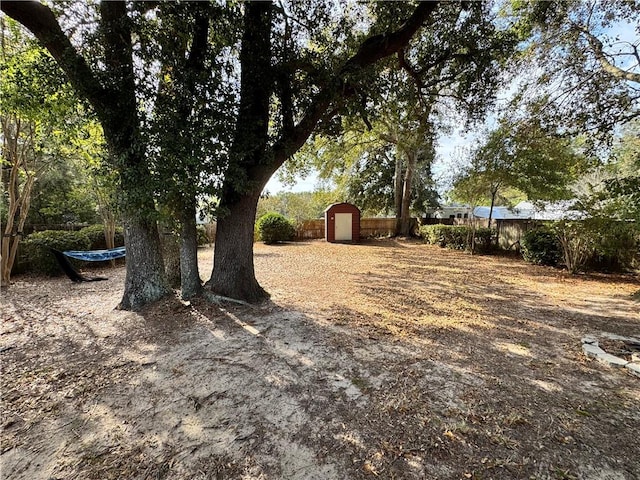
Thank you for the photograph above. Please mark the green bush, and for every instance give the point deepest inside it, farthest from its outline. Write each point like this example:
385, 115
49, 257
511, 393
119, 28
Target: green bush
456, 236
448, 236
273, 228
96, 236
484, 239
614, 244
541, 247
433, 234
36, 249
597, 243
201, 235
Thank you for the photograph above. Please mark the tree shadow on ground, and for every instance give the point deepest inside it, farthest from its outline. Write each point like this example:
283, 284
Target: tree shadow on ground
442, 372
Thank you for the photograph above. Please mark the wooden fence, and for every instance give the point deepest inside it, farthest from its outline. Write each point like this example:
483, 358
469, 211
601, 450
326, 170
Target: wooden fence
310, 229
369, 227
508, 232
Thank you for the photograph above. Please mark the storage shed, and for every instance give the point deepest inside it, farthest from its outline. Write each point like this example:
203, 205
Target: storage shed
342, 223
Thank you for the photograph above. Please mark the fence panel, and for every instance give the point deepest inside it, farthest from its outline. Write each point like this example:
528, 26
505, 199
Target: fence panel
510, 232
310, 229
369, 227
377, 227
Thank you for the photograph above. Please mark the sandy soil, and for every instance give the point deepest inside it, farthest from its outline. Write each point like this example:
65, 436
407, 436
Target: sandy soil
391, 359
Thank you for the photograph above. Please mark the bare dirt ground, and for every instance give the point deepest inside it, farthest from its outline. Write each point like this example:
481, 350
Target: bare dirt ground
391, 359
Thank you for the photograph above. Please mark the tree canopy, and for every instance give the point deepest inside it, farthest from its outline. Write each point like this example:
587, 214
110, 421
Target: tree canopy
44, 132
382, 159
582, 62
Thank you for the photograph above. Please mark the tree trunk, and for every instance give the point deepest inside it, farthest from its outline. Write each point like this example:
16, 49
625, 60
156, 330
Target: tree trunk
397, 194
471, 238
170, 244
109, 227
19, 201
233, 273
494, 192
110, 234
145, 281
405, 216
190, 283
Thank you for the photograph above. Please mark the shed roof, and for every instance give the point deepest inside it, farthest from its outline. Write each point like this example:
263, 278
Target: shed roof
527, 210
340, 203
502, 213
559, 210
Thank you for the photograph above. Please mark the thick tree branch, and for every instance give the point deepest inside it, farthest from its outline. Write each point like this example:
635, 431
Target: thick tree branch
371, 50
607, 66
40, 20
380, 46
199, 45
116, 33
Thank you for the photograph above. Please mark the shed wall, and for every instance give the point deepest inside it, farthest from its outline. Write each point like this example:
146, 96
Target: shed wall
330, 222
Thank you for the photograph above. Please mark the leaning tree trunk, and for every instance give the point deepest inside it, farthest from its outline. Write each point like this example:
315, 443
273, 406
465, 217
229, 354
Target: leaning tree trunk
233, 273
15, 154
190, 283
11, 240
494, 192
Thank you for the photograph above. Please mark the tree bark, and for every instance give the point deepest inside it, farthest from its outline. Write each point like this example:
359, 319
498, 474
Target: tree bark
190, 283
233, 271
405, 215
170, 244
397, 193
494, 192
251, 166
145, 280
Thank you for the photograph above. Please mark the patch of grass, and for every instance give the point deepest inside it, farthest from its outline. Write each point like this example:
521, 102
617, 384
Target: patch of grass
360, 383
562, 474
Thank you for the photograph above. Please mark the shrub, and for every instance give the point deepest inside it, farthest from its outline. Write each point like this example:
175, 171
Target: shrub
273, 228
598, 243
484, 239
36, 248
444, 235
541, 247
456, 237
96, 236
427, 233
577, 244
614, 244
202, 236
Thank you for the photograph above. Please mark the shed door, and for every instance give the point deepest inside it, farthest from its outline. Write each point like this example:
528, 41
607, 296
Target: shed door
343, 226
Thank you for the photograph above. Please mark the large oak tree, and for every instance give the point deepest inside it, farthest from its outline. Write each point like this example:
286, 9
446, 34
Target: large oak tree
299, 67
293, 76
293, 67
